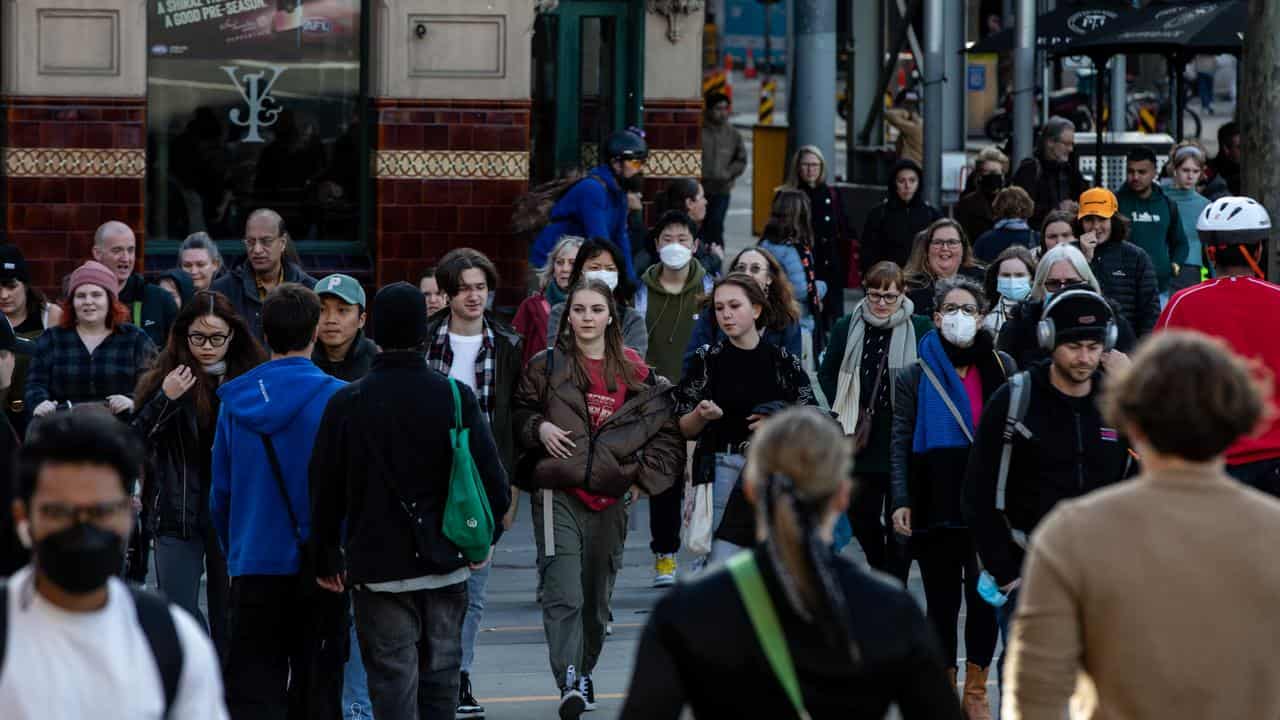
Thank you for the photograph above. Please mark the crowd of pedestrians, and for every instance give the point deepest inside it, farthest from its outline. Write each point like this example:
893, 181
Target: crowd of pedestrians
316, 482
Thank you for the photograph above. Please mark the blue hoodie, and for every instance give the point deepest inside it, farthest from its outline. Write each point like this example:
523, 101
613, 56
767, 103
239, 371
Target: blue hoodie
284, 399
591, 208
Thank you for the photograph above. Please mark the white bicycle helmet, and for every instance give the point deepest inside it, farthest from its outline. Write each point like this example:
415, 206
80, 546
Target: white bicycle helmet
1233, 220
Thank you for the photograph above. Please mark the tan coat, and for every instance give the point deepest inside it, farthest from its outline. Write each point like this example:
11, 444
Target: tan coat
724, 157
1164, 592
910, 133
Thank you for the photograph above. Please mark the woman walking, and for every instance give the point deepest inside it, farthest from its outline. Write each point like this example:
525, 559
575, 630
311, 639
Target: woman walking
209, 344
599, 259
830, 232
731, 386
1008, 284
93, 355
855, 645
788, 235
941, 252
866, 350
30, 313
533, 314
940, 399
606, 429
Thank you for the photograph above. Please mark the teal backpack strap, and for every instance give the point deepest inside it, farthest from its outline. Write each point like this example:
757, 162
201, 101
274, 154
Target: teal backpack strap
764, 619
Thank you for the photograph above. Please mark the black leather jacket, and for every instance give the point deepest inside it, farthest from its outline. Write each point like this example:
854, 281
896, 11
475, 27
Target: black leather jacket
176, 488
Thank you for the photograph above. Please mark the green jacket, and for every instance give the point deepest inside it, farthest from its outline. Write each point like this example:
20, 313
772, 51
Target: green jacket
669, 317
874, 458
1156, 228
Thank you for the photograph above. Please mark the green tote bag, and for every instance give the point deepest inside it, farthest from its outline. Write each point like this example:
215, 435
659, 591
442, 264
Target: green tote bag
468, 519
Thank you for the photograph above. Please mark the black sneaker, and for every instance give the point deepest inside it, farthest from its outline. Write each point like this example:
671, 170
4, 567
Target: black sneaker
588, 690
572, 702
467, 705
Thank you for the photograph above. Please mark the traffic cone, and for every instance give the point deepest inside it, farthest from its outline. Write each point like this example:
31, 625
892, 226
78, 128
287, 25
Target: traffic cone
749, 71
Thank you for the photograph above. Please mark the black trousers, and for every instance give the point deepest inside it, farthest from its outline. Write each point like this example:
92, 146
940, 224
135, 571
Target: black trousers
949, 567
870, 519
286, 650
664, 519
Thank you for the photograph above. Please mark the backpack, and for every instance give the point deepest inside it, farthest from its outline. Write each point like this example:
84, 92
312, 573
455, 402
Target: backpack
157, 624
1019, 400
468, 519
533, 209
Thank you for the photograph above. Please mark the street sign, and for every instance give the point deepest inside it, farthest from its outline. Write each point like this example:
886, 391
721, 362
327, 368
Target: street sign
977, 78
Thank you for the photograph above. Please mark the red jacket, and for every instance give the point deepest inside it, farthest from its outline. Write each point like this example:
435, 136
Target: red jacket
1236, 309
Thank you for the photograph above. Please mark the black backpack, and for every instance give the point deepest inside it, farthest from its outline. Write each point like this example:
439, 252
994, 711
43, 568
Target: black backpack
157, 624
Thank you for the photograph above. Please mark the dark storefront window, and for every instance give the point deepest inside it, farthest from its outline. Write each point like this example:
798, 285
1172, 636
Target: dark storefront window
254, 103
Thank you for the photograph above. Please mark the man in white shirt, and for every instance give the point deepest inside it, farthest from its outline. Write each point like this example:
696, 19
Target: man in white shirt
476, 349
80, 643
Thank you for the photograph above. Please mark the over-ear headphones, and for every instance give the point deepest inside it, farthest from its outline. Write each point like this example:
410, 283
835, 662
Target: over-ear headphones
1047, 333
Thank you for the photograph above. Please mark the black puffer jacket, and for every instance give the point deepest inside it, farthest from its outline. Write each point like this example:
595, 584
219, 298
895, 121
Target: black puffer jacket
1128, 279
930, 482
178, 468
1072, 451
1018, 335
892, 225
699, 650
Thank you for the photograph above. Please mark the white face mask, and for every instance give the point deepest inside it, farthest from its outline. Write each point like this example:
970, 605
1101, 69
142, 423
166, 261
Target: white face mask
608, 277
959, 328
675, 256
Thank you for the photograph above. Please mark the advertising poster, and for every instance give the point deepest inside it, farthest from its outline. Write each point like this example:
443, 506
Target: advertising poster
277, 29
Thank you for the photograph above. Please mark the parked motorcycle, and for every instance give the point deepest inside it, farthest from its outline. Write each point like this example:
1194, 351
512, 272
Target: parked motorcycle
1067, 102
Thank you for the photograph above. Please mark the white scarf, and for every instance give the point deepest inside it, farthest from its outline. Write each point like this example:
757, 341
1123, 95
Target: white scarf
902, 352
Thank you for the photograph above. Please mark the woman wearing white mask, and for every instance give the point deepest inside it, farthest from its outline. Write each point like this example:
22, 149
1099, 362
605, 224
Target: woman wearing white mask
939, 401
599, 259
1008, 283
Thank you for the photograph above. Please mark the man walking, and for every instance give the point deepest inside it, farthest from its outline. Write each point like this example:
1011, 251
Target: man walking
724, 159
1156, 227
264, 269
1237, 306
80, 642
380, 469
288, 638
342, 350
150, 307
1050, 176
1059, 445
470, 345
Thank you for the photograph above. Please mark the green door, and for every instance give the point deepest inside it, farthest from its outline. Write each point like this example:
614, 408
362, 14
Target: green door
589, 58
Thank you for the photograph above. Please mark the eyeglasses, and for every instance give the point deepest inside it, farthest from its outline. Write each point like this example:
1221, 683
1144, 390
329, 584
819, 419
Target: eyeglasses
945, 242
967, 309
200, 340
64, 514
1058, 285
881, 298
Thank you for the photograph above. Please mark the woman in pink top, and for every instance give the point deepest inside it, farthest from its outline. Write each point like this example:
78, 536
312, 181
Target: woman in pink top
938, 402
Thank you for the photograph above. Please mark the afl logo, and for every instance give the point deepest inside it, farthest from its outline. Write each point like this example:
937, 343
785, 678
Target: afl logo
1087, 21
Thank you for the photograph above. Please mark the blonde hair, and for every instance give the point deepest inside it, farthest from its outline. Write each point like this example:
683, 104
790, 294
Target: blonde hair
547, 273
798, 460
793, 178
991, 153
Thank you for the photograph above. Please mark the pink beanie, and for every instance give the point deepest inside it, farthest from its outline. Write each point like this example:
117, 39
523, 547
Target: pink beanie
94, 273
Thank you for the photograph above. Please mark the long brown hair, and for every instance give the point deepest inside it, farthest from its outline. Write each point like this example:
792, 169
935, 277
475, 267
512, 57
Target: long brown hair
782, 298
789, 219
917, 270
617, 366
750, 288
243, 355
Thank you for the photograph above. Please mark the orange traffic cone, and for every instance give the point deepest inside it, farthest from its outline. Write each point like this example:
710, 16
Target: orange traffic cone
750, 70
728, 62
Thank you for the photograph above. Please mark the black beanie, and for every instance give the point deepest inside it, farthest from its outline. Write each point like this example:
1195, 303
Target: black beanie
399, 317
1080, 315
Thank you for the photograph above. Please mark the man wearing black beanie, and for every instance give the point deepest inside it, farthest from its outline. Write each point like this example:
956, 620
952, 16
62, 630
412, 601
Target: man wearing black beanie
384, 444
1042, 440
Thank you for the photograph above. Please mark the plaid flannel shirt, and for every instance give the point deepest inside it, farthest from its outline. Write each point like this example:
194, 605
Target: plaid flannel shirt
440, 358
63, 370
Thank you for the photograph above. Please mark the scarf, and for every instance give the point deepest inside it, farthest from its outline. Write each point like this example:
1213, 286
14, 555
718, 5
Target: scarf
936, 427
1012, 224
554, 294
217, 369
902, 352
810, 277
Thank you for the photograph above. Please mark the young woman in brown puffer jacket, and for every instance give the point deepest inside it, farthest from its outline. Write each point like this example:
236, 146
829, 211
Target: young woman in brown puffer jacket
598, 426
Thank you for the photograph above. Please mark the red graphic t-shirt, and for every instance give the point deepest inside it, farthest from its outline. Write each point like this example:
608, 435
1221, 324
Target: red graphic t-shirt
601, 405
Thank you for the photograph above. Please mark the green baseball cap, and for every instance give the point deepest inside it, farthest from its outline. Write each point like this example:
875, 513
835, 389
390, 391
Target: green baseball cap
344, 287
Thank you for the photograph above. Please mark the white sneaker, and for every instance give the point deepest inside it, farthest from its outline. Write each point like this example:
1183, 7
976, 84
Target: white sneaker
588, 690
572, 702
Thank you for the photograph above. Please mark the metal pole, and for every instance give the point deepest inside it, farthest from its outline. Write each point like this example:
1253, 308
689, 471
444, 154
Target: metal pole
815, 78
850, 87
1175, 96
955, 126
1119, 95
1024, 58
933, 100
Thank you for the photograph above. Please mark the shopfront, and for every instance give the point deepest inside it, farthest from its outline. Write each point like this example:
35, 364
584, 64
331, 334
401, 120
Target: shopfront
385, 131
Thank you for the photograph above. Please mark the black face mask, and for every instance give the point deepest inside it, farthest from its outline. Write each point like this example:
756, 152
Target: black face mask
80, 558
635, 183
991, 183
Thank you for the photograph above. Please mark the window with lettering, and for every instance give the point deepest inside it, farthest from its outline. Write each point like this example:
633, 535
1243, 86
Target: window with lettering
250, 104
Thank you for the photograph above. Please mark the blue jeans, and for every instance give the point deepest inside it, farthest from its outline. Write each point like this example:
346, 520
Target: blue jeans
1204, 84
355, 682
476, 586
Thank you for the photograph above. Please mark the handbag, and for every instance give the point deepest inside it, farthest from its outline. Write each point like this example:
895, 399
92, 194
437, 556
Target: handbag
862, 430
468, 519
306, 563
698, 518
764, 620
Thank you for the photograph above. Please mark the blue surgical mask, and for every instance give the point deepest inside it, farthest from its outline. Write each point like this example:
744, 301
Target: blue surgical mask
989, 591
1014, 288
